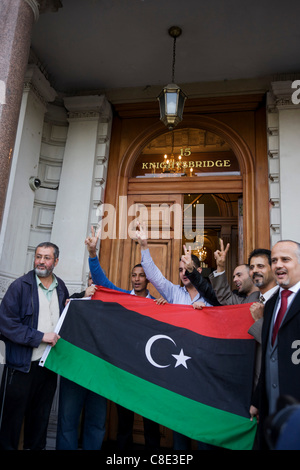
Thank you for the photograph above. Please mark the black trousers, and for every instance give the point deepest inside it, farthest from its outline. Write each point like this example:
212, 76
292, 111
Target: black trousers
125, 429
26, 397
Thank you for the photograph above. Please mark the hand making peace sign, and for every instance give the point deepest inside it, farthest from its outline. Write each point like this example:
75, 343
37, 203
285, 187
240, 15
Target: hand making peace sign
187, 259
220, 256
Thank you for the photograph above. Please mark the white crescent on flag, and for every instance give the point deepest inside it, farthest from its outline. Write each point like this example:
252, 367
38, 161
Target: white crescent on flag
180, 358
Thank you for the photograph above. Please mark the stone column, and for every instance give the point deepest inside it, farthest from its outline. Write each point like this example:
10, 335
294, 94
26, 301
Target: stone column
15, 228
80, 186
16, 21
284, 154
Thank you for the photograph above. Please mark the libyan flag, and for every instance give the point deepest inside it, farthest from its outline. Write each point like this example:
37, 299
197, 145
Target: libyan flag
189, 370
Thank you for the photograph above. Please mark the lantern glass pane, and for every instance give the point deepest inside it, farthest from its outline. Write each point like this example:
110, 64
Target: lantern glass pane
181, 104
171, 101
162, 105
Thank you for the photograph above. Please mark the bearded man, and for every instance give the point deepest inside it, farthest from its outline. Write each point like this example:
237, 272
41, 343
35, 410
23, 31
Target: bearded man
29, 312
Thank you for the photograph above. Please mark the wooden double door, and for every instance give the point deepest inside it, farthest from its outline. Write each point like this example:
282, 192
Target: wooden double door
239, 120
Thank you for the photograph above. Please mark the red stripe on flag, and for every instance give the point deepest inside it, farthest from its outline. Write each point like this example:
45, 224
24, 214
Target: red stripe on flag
226, 322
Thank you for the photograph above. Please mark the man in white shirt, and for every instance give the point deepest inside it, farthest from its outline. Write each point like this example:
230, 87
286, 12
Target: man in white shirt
185, 294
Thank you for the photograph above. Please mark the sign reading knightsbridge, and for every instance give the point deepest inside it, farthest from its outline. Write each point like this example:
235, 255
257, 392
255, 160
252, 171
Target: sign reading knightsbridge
186, 162
183, 165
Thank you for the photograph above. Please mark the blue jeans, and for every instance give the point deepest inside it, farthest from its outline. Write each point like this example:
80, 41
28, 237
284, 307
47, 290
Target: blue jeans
73, 399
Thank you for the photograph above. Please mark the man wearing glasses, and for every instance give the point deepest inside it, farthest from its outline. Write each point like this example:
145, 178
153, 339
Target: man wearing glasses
28, 315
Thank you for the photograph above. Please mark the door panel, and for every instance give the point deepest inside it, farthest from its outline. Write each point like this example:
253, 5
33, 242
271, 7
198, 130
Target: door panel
163, 221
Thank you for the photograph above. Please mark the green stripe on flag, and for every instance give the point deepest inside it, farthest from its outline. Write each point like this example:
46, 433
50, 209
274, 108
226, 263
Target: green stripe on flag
195, 420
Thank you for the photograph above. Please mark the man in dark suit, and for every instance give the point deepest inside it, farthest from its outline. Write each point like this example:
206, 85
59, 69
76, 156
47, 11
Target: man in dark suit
280, 372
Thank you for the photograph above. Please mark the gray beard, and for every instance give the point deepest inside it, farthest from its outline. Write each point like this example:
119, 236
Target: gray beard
43, 272
284, 283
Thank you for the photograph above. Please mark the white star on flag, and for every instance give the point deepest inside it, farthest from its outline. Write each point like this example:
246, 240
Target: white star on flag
181, 359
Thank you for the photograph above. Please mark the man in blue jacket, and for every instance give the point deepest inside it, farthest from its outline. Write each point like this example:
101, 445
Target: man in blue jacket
29, 312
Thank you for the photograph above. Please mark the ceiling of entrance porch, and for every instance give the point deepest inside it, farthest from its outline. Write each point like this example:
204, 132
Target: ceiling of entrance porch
112, 44
198, 140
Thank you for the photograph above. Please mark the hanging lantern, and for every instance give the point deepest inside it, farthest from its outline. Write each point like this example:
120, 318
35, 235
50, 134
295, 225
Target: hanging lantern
172, 98
171, 104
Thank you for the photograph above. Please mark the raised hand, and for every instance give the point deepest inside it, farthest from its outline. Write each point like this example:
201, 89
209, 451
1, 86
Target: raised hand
257, 310
220, 256
91, 242
187, 259
141, 235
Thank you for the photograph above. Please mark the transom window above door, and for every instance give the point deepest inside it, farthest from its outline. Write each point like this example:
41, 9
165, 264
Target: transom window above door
186, 152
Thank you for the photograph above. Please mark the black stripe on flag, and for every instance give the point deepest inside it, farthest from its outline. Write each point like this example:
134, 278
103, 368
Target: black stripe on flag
212, 371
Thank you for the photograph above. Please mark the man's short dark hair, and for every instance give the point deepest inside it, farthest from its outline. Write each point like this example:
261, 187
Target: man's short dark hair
49, 245
196, 261
137, 266
260, 252
243, 264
